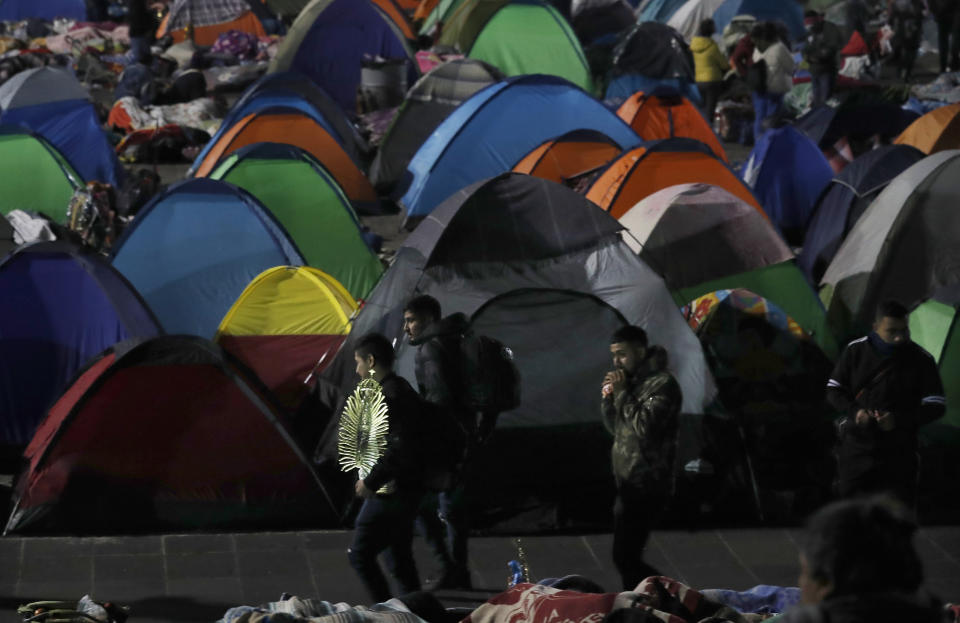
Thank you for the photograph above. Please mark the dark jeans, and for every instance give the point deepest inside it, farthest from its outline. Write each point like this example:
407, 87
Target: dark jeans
710, 94
948, 27
766, 106
635, 513
444, 523
385, 525
822, 86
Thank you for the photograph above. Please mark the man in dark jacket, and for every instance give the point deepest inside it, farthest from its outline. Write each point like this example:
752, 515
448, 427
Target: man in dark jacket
393, 489
822, 51
640, 402
947, 15
906, 19
887, 387
438, 377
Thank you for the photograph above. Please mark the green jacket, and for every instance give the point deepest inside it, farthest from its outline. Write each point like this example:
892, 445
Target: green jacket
643, 419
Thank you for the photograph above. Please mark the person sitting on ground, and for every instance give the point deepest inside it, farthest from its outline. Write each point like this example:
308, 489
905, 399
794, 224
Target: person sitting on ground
710, 67
859, 564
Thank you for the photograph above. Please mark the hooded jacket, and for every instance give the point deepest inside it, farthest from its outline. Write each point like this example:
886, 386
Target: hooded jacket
643, 421
408, 439
437, 365
708, 60
780, 67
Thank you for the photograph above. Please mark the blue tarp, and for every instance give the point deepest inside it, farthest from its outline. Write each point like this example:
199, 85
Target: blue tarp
332, 50
192, 250
59, 308
790, 12
15, 10
844, 200
787, 173
626, 85
490, 132
72, 127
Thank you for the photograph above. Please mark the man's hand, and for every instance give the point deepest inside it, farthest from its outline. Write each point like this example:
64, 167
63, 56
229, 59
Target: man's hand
863, 417
884, 420
362, 491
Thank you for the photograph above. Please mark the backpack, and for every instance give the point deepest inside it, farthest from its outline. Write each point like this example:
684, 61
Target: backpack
491, 380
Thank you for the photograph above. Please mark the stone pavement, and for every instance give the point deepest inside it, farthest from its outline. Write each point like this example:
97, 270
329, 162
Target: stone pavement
198, 577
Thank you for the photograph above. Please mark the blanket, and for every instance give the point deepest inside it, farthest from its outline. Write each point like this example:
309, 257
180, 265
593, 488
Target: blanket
296, 610
128, 115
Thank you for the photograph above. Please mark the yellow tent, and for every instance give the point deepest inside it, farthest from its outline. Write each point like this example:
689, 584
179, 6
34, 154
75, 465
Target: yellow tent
936, 131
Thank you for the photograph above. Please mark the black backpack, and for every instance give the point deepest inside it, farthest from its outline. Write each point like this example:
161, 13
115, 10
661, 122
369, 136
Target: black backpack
491, 380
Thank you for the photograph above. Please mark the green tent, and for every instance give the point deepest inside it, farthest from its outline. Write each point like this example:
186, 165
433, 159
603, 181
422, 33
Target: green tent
34, 176
440, 13
933, 325
518, 37
310, 205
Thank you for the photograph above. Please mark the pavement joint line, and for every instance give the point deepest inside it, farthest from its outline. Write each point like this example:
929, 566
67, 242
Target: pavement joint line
310, 569
737, 557
944, 550
666, 555
163, 557
593, 554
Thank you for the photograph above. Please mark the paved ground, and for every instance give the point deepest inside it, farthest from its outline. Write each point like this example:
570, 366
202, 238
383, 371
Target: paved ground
198, 577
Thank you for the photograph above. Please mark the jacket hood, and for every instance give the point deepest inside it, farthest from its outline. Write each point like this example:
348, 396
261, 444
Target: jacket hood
454, 324
700, 44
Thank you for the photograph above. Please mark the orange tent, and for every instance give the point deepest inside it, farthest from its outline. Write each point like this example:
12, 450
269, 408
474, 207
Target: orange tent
393, 11
207, 34
292, 127
570, 157
640, 172
655, 117
936, 131
424, 9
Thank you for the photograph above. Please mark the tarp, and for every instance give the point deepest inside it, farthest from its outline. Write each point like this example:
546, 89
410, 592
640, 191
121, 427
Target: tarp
328, 40
53, 103
193, 249
787, 172
312, 208
644, 170
16, 10
60, 305
845, 199
426, 105
935, 131
287, 324
854, 120
292, 127
655, 117
658, 10
515, 232
518, 37
34, 176
903, 247
492, 130
571, 158
205, 450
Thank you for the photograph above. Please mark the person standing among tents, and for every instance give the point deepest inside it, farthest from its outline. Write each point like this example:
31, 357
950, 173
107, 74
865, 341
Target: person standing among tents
437, 370
947, 15
906, 19
887, 387
393, 489
640, 402
770, 76
824, 42
710, 67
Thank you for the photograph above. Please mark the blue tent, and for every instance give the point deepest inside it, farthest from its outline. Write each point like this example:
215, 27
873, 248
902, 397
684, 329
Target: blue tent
825, 125
845, 199
289, 89
787, 172
52, 103
193, 249
330, 49
16, 10
790, 12
60, 306
491, 131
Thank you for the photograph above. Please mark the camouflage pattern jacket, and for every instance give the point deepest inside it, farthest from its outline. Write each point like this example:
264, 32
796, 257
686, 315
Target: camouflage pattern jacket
643, 421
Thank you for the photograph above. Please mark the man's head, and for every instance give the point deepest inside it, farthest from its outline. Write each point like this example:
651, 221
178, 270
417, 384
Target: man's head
373, 352
890, 323
707, 28
628, 346
812, 20
859, 546
419, 313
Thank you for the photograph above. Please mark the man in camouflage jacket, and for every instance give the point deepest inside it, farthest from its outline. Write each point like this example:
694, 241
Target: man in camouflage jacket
640, 403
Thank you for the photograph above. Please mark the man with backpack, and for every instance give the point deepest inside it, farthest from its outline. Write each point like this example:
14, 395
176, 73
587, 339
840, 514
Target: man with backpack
886, 387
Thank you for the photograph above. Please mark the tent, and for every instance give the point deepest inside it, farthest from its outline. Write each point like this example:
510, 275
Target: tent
60, 305
903, 247
34, 176
933, 325
292, 127
7, 239
52, 103
287, 324
193, 249
209, 19
306, 200
687, 18
490, 132
598, 22
701, 239
163, 435
668, 116
571, 159
426, 105
935, 131
787, 172
329, 39
845, 199
651, 57
658, 10
16, 10
518, 37
510, 234
644, 170
856, 121
291, 90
